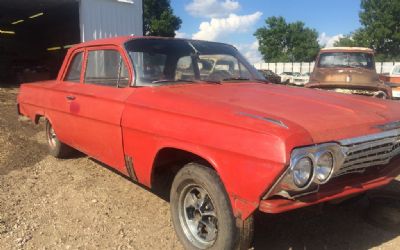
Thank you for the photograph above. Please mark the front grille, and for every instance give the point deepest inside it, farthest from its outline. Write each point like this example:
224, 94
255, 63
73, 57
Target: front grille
366, 152
373, 93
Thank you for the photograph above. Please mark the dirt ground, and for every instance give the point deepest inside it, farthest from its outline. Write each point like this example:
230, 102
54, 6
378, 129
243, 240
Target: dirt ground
78, 204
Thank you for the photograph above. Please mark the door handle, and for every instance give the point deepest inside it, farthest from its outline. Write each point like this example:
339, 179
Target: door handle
70, 97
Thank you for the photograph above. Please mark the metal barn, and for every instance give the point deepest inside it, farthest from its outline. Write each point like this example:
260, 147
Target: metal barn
35, 34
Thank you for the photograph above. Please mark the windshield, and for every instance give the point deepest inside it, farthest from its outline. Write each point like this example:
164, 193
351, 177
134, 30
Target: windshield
166, 61
346, 60
396, 70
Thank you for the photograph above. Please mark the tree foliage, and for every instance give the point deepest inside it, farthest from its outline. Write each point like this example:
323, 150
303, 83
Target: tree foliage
287, 42
159, 18
380, 20
346, 41
356, 39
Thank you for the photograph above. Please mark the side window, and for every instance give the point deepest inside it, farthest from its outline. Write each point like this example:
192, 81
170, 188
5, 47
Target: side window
75, 68
106, 67
184, 69
244, 72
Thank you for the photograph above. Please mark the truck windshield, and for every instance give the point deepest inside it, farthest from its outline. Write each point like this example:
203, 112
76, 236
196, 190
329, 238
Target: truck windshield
168, 61
346, 60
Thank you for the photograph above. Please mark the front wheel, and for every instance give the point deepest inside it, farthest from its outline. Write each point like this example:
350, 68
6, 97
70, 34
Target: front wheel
202, 214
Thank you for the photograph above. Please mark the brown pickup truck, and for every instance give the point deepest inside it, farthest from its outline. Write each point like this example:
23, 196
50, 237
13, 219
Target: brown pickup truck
349, 70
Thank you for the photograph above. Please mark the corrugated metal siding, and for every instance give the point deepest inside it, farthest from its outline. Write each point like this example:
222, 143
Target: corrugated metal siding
110, 18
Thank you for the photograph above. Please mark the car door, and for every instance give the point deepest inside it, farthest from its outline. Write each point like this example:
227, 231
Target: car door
98, 102
59, 101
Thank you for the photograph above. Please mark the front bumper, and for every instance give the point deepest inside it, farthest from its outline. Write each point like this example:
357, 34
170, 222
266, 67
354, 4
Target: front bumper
344, 186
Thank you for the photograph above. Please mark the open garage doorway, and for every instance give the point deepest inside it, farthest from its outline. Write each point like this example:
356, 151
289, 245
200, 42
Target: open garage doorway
34, 37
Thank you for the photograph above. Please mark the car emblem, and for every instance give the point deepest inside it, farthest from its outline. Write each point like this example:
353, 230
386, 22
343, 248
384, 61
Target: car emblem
348, 78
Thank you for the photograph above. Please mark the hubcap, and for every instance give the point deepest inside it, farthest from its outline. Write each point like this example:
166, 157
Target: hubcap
198, 217
52, 137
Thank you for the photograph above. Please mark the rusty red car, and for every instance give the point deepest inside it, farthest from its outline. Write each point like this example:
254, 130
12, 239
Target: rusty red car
193, 119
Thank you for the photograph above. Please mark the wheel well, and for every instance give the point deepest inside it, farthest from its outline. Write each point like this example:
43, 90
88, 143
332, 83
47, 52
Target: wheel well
38, 118
167, 164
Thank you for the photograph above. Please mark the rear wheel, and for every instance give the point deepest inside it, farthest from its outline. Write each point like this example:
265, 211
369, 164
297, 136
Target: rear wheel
56, 147
202, 214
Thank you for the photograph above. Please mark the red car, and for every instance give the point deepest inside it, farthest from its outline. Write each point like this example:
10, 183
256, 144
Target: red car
196, 120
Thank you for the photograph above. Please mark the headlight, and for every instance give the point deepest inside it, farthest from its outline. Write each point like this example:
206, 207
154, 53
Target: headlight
302, 172
324, 167
309, 167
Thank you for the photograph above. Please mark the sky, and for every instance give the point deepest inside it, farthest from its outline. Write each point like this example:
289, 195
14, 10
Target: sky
235, 21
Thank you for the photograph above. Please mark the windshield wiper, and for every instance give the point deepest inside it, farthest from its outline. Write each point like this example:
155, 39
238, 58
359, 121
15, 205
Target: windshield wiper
244, 79
172, 81
235, 79
186, 81
261, 80
211, 82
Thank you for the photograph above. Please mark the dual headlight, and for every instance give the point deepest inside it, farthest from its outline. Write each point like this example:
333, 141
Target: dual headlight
318, 168
309, 165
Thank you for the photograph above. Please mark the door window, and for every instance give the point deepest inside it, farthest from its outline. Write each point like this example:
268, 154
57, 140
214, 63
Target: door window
75, 68
106, 67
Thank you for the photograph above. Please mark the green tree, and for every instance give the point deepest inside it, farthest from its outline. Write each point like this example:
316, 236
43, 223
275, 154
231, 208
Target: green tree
159, 18
380, 20
356, 39
287, 42
381, 25
346, 41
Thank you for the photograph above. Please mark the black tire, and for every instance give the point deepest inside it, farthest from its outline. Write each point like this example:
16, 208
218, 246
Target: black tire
56, 148
231, 233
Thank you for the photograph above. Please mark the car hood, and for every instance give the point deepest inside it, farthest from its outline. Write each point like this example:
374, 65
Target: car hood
315, 115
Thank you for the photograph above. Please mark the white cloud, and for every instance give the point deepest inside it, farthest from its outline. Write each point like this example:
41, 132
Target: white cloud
328, 41
250, 51
219, 27
212, 8
181, 34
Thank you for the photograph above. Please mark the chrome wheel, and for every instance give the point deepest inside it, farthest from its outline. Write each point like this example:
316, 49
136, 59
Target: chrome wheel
52, 137
198, 216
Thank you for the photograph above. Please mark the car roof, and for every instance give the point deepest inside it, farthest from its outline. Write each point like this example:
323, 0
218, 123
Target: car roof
104, 41
121, 40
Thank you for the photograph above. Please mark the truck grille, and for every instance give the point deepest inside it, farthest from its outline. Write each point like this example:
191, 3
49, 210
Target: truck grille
361, 154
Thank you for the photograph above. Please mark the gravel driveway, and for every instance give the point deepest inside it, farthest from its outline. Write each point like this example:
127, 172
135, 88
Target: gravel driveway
79, 204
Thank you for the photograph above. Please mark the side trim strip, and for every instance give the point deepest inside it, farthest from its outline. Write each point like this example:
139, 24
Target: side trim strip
129, 167
266, 119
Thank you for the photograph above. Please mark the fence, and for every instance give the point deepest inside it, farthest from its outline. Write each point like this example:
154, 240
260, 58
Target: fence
306, 67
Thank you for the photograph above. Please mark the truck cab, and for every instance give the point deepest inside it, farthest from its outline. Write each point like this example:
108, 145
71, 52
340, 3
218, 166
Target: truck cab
348, 70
